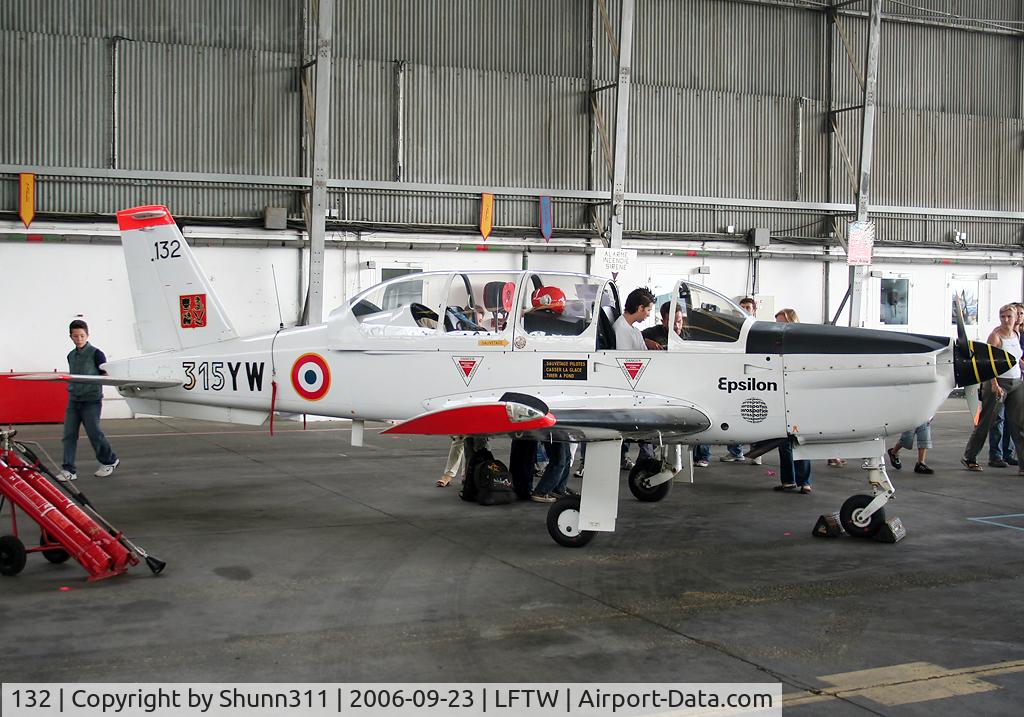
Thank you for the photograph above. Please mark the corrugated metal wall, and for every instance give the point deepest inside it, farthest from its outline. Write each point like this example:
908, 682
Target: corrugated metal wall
270, 25
730, 100
531, 37
53, 111
925, 67
729, 47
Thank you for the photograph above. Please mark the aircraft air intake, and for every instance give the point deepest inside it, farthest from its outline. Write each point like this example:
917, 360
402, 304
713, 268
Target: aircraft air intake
974, 362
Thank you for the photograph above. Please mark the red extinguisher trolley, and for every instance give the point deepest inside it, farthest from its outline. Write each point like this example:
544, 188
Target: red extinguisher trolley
70, 526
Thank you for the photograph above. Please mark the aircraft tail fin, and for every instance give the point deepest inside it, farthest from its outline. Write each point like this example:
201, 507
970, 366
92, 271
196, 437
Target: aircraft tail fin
175, 306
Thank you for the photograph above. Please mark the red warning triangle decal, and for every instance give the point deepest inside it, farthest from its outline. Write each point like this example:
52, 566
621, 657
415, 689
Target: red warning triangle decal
633, 368
467, 366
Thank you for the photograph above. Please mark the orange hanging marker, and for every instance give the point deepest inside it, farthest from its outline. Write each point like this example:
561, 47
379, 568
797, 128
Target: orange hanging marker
486, 214
26, 197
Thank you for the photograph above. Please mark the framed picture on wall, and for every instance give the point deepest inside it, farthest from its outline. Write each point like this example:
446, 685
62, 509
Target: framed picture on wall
967, 291
894, 302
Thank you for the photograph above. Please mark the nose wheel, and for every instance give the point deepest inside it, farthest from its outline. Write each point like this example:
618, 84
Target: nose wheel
855, 520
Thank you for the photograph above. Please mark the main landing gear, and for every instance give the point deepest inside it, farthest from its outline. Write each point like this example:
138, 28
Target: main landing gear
650, 480
574, 520
564, 523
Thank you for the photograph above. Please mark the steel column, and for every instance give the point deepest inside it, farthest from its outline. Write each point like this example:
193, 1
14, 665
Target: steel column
315, 221
400, 69
858, 274
622, 122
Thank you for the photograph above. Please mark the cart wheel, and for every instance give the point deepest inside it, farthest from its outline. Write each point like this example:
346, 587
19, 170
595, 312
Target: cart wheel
54, 555
12, 555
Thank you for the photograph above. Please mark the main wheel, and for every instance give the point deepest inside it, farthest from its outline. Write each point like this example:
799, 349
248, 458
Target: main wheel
54, 555
638, 485
564, 523
854, 523
12, 555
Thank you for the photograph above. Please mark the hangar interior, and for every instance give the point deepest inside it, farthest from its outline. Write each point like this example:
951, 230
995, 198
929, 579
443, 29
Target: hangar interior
309, 149
741, 115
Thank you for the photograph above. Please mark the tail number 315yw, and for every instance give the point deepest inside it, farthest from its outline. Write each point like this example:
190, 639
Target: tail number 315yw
211, 374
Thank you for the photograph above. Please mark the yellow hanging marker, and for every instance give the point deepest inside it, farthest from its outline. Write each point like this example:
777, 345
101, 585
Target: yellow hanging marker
486, 215
26, 198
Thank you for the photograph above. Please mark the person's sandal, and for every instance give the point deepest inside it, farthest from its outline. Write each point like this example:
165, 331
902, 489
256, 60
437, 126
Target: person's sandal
970, 465
785, 486
805, 489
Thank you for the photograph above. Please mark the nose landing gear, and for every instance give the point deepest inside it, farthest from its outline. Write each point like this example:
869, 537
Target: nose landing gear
863, 516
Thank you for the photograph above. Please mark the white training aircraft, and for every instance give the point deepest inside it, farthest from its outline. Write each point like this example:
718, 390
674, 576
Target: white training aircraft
532, 354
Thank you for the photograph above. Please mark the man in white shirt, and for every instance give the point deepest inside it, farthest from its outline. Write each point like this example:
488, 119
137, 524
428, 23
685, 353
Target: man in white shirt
639, 305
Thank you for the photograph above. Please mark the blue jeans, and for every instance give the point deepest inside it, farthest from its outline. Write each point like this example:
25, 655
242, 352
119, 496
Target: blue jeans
923, 434
85, 413
1000, 442
792, 471
556, 475
736, 450
701, 453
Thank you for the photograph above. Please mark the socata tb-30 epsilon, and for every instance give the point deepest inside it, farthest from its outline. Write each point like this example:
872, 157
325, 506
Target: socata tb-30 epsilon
480, 353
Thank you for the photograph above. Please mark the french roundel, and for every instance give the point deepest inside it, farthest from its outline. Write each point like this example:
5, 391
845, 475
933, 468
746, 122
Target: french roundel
311, 377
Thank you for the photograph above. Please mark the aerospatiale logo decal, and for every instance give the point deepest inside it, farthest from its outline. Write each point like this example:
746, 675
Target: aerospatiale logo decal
633, 368
467, 366
193, 311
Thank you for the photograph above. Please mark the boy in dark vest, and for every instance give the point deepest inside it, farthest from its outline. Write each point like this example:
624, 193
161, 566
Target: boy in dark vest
84, 403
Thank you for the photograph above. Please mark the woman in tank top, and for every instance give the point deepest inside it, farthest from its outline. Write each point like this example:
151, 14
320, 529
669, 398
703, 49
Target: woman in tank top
1005, 387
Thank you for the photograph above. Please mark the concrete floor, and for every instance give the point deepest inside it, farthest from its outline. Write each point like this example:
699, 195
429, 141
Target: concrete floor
300, 558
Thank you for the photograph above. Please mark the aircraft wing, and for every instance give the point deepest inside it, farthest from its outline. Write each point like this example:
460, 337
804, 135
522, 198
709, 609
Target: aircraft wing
102, 380
526, 416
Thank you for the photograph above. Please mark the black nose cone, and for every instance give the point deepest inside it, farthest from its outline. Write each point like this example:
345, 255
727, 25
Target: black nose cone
974, 362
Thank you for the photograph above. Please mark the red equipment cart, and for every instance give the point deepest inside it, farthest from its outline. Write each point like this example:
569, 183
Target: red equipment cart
68, 530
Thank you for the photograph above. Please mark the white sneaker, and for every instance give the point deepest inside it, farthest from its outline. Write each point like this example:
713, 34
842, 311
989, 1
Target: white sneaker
65, 476
730, 458
104, 471
755, 461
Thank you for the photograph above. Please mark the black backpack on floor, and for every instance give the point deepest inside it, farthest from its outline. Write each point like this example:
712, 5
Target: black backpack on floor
488, 481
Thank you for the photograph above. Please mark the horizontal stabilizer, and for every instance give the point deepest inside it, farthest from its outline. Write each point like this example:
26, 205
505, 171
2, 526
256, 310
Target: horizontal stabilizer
102, 380
476, 420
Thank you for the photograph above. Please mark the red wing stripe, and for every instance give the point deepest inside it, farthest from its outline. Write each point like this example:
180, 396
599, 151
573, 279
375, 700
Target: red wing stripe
469, 420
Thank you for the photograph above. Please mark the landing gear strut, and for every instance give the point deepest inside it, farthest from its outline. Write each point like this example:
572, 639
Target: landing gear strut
650, 480
862, 516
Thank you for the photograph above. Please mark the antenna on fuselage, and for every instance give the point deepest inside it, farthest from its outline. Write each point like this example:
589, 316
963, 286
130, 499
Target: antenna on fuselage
280, 317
